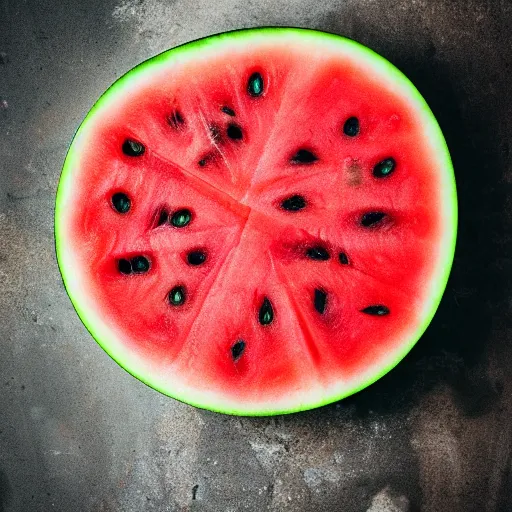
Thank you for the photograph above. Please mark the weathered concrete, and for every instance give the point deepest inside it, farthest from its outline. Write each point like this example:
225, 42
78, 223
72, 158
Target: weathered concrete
79, 434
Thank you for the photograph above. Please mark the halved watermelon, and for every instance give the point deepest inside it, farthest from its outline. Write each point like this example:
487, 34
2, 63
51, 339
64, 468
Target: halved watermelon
258, 222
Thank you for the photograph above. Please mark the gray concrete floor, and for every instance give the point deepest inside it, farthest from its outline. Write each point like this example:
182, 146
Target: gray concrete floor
77, 433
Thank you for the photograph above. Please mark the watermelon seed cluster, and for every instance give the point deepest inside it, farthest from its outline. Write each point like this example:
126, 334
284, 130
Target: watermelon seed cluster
137, 265
294, 203
179, 219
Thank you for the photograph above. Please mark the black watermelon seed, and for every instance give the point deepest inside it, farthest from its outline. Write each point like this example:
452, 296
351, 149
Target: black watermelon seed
266, 314
377, 310
293, 203
238, 349
228, 111
343, 258
371, 218
181, 218
196, 257
133, 148
176, 120
140, 264
124, 266
177, 296
320, 300
206, 159
163, 217
121, 202
318, 253
351, 127
234, 132
255, 85
303, 156
384, 168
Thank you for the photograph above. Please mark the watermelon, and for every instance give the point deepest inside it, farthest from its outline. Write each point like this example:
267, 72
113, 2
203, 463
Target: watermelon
258, 222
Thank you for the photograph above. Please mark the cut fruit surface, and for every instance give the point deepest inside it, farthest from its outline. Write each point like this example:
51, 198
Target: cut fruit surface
258, 222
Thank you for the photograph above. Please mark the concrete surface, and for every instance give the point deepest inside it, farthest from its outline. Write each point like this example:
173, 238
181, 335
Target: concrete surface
77, 433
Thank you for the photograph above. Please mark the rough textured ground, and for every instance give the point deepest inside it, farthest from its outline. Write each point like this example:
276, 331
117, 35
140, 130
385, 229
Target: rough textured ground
79, 434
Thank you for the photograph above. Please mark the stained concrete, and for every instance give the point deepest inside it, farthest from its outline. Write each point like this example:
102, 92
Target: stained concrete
79, 434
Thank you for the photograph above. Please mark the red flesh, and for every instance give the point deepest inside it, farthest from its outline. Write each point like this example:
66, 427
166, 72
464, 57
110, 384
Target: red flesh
254, 247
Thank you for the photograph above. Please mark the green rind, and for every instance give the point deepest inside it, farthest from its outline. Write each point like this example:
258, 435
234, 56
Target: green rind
436, 137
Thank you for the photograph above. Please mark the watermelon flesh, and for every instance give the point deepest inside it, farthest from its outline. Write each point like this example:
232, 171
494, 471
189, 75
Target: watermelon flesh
259, 222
